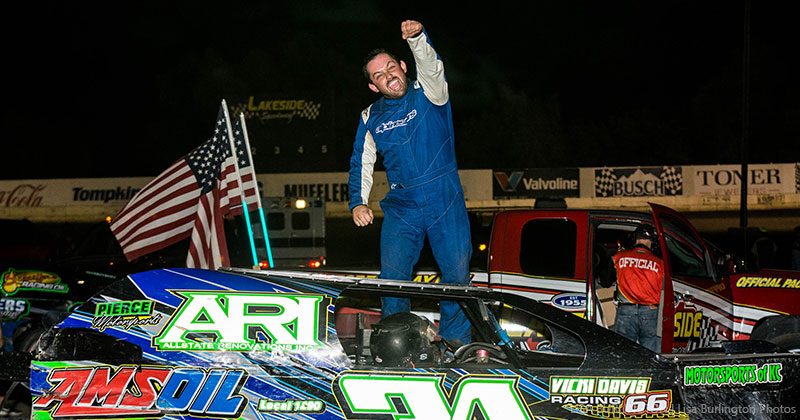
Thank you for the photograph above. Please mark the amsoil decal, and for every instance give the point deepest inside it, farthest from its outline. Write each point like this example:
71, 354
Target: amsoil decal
638, 182
398, 396
14, 281
125, 314
733, 375
610, 397
242, 321
537, 183
768, 282
143, 391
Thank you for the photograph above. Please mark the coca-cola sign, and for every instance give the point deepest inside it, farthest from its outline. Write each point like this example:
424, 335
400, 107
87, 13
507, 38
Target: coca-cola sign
22, 195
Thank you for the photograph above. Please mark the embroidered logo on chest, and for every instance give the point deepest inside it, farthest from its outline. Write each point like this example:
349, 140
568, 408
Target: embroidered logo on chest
391, 125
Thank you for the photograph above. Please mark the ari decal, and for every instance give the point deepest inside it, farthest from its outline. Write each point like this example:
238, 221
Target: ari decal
733, 375
401, 396
14, 281
233, 321
143, 391
603, 397
124, 314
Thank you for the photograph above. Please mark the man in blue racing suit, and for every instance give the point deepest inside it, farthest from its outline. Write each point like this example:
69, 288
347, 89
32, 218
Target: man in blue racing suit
411, 127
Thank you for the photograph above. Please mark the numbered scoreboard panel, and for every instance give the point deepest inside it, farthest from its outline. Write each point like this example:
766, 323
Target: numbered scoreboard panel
291, 132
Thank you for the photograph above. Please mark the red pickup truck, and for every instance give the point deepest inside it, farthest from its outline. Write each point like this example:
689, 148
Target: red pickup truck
562, 257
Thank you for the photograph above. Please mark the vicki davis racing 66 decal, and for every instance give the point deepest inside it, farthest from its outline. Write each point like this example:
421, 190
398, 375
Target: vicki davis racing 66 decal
608, 397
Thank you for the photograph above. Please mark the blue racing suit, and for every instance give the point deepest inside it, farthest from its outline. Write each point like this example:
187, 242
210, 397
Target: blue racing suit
414, 135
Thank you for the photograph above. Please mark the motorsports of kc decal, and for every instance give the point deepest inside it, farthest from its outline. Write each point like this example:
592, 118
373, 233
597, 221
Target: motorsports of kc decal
364, 395
244, 321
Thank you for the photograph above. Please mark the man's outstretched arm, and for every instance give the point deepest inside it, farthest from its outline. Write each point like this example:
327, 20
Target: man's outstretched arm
430, 68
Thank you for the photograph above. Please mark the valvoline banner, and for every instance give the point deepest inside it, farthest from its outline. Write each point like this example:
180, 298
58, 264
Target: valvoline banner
536, 183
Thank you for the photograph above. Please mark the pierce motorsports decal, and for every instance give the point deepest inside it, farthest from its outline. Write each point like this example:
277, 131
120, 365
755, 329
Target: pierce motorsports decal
243, 321
733, 375
14, 281
368, 395
143, 391
605, 397
125, 314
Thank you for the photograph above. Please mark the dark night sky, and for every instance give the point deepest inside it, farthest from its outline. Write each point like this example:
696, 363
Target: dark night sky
99, 90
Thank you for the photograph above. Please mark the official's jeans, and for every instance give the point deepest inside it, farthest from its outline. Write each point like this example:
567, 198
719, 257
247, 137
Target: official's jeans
435, 209
639, 323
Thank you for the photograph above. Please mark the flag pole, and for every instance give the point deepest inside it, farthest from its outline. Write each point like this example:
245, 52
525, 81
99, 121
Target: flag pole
241, 187
258, 196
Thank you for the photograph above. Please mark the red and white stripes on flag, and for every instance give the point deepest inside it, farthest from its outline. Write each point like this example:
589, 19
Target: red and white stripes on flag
160, 214
190, 198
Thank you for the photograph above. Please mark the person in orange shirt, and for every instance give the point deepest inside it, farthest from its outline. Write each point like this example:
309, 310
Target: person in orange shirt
640, 277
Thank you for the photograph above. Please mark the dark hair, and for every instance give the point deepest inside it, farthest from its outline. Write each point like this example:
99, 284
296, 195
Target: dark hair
372, 54
645, 231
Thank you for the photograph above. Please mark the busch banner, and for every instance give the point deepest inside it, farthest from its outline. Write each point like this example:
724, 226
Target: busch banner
657, 181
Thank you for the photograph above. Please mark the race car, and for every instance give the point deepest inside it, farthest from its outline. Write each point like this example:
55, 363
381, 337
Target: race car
235, 343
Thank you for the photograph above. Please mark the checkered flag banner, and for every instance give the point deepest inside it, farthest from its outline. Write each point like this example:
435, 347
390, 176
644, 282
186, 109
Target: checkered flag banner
673, 180
310, 111
797, 177
604, 182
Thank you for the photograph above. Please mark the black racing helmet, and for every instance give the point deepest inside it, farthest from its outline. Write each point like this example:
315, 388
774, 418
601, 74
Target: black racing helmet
645, 231
403, 340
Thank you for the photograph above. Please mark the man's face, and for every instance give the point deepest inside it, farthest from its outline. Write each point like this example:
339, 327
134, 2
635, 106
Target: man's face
388, 77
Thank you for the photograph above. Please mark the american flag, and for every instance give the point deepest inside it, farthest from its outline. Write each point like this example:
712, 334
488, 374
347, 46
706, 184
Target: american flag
246, 167
190, 198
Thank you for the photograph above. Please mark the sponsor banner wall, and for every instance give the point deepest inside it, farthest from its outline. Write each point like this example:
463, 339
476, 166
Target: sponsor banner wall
536, 183
333, 186
115, 192
69, 192
723, 180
